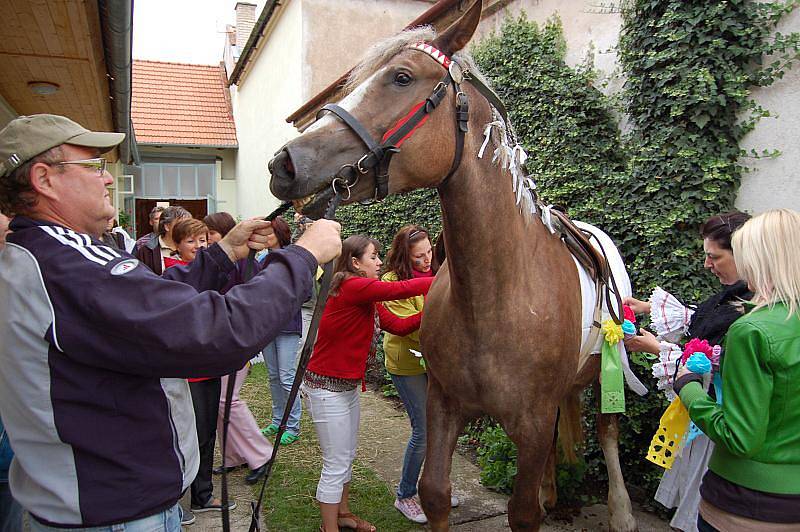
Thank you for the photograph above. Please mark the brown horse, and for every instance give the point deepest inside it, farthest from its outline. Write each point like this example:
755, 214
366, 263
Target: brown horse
502, 327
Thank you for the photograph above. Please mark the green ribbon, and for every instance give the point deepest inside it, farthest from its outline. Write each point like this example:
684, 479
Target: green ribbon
612, 382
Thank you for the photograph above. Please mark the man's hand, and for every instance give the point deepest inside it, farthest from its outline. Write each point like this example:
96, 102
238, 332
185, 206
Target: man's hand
254, 233
323, 240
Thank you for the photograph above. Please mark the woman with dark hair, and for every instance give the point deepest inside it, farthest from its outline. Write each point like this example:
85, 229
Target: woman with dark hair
246, 444
410, 257
218, 224
347, 340
679, 487
161, 244
281, 359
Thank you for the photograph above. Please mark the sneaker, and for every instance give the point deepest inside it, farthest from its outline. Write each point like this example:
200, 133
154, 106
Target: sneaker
213, 505
187, 517
288, 438
410, 508
454, 501
270, 430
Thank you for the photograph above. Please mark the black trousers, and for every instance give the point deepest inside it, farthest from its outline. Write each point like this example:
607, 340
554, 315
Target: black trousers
205, 398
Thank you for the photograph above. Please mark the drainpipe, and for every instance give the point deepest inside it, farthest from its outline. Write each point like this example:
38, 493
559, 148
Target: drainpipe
116, 22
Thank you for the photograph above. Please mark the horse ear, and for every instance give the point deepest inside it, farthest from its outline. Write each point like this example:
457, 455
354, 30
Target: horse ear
458, 35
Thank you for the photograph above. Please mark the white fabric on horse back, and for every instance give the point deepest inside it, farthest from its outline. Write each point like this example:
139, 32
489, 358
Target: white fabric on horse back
589, 298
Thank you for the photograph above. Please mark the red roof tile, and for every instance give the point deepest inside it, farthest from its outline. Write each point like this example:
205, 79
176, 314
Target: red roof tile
176, 103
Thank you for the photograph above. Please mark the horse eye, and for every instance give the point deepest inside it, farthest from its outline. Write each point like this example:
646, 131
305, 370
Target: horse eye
402, 79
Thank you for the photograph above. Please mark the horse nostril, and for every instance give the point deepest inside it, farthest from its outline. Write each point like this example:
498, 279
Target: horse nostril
281, 165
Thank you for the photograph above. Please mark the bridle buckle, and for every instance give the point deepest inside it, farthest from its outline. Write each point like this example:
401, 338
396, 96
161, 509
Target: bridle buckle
456, 72
359, 164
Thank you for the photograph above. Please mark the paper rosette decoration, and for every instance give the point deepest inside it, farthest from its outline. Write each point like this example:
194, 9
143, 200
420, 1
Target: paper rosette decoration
612, 381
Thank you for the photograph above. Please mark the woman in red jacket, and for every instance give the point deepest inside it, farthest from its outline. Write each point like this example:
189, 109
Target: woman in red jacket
348, 335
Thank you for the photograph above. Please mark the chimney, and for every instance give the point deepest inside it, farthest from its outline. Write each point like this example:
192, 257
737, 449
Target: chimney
245, 20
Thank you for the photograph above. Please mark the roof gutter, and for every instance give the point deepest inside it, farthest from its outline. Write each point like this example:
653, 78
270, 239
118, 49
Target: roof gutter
434, 16
252, 41
116, 23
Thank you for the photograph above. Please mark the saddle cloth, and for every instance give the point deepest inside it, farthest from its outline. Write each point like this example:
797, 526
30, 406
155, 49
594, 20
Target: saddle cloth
591, 340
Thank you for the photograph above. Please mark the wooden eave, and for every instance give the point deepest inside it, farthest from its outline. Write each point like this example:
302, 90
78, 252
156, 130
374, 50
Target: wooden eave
60, 42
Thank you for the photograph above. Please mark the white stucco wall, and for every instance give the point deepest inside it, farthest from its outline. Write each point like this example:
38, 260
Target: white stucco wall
336, 34
775, 183
587, 31
265, 96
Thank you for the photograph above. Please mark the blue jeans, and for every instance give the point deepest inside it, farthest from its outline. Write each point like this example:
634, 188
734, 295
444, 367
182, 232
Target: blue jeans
167, 521
10, 510
413, 391
281, 359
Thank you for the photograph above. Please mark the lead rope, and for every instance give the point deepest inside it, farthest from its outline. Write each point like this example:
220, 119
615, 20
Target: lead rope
308, 348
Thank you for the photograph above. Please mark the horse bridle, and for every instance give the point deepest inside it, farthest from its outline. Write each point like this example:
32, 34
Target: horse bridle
379, 154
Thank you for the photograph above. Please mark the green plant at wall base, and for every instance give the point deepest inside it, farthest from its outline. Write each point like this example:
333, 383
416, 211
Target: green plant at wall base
381, 220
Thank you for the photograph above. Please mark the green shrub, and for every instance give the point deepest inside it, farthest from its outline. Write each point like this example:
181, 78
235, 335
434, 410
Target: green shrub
497, 458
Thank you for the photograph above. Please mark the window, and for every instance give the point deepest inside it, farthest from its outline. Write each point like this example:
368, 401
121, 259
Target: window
187, 180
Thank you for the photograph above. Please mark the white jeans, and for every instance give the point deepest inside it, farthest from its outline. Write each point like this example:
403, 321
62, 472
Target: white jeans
336, 416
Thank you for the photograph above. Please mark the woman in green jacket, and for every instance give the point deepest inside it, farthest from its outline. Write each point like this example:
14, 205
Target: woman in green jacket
410, 256
753, 481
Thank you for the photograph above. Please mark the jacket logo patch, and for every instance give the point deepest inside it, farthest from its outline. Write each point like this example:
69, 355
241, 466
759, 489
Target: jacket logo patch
123, 267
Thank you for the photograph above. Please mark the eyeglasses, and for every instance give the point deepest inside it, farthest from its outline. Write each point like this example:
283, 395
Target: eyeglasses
99, 164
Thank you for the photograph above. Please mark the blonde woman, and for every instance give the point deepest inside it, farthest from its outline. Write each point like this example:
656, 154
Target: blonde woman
753, 481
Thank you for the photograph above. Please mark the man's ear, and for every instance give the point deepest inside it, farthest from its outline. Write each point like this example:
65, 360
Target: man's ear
41, 176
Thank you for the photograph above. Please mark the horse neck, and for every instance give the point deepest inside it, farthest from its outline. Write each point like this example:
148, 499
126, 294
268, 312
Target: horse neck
486, 236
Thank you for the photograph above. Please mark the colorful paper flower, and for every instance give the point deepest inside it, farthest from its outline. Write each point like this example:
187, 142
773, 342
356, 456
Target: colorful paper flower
696, 345
628, 313
612, 331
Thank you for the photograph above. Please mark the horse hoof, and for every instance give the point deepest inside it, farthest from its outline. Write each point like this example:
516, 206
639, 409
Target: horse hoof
623, 523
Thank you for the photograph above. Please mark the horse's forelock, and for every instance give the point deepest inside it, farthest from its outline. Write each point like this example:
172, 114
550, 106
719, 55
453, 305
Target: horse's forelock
381, 52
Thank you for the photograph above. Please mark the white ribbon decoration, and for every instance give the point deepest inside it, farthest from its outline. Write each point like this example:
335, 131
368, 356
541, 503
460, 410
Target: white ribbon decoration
631, 379
487, 134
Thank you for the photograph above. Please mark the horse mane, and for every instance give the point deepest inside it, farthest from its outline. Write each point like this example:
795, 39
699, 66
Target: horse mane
506, 152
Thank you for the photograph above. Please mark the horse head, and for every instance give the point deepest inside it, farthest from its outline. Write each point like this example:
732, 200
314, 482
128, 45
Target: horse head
388, 117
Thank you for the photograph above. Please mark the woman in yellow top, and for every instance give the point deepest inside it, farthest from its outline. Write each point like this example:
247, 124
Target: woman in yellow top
410, 257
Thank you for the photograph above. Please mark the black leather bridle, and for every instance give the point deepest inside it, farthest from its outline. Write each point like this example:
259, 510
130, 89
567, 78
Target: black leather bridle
379, 154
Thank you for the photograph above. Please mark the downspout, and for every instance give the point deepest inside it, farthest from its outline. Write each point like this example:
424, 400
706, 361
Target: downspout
116, 22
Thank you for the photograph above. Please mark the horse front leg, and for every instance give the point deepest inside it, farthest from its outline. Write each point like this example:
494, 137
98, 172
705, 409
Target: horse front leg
619, 503
534, 439
445, 422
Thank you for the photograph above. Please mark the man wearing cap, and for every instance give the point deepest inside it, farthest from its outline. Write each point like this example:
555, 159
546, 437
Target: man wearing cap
95, 347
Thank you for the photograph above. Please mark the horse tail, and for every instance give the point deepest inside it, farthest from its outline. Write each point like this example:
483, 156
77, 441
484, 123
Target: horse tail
570, 430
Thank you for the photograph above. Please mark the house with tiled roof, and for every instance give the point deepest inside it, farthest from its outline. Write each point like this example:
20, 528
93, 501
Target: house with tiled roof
186, 137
